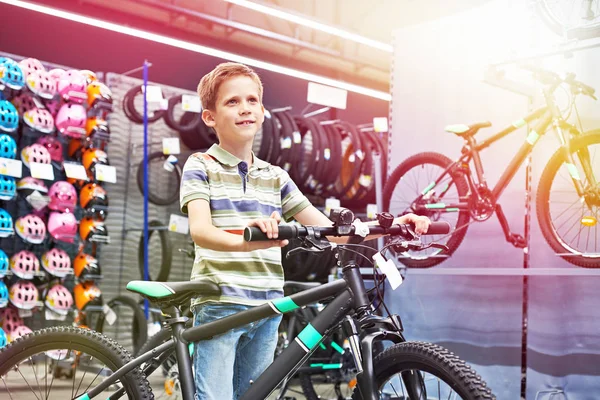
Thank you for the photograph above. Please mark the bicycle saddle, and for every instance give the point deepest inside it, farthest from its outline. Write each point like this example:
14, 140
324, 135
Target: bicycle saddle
172, 293
467, 130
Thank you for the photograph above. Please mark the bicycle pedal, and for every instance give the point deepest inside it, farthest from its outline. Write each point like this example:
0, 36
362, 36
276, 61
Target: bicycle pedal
518, 241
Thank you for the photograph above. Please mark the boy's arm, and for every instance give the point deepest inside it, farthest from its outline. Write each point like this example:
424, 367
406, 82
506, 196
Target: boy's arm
206, 235
311, 216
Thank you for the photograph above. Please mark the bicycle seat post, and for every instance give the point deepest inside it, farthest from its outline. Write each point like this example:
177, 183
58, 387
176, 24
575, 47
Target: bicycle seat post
184, 363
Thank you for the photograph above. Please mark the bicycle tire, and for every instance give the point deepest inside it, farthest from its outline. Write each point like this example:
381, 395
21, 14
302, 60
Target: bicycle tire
153, 197
462, 187
190, 124
130, 110
543, 203
87, 341
335, 141
139, 326
434, 359
550, 19
350, 166
166, 252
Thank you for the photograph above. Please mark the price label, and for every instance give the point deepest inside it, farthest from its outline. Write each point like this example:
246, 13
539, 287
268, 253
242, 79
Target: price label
169, 163
372, 211
42, 171
380, 124
297, 137
327, 154
389, 269
25, 313
286, 143
111, 316
106, 173
75, 171
191, 103
10, 167
179, 224
365, 180
331, 203
154, 94
164, 104
37, 200
54, 316
171, 146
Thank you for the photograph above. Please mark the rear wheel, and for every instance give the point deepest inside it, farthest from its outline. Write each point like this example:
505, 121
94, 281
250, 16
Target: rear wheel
425, 371
408, 181
64, 363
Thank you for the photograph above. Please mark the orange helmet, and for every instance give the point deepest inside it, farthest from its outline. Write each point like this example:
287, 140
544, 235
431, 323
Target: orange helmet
93, 198
77, 147
99, 95
86, 267
89, 76
92, 157
77, 183
93, 230
97, 126
87, 294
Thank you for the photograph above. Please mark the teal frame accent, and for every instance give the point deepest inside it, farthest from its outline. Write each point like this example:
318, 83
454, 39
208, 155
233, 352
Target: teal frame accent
284, 304
310, 337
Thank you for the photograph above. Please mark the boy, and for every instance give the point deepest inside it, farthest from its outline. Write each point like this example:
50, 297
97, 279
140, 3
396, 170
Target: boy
224, 190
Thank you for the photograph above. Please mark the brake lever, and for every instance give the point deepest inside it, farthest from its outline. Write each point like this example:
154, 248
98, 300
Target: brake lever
313, 246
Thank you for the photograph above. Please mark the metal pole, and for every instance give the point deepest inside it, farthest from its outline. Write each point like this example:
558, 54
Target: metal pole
146, 273
378, 189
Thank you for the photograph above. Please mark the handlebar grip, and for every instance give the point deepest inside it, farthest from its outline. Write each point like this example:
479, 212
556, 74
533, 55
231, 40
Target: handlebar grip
438, 228
254, 234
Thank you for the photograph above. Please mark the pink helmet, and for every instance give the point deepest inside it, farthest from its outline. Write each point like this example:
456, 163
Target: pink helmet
71, 119
52, 106
39, 119
31, 65
31, 228
72, 86
24, 264
19, 331
63, 196
56, 74
9, 318
23, 294
23, 103
59, 299
57, 262
41, 84
62, 226
54, 147
35, 153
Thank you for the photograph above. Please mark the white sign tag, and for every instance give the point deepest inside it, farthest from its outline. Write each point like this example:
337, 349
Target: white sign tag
54, 316
326, 95
106, 173
331, 203
111, 316
191, 103
179, 224
171, 146
25, 313
154, 94
42, 171
372, 211
10, 167
37, 200
75, 171
388, 268
380, 124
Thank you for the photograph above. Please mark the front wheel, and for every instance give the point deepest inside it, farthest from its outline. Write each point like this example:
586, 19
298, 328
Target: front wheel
437, 373
411, 188
569, 221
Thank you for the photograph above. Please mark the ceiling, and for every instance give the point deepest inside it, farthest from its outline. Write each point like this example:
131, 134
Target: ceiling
278, 41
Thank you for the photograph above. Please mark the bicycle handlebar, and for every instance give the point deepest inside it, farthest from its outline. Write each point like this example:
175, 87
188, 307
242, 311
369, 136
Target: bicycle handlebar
552, 78
253, 234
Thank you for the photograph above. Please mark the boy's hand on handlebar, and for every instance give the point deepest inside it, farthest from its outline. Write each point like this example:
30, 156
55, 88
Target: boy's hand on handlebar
421, 223
269, 226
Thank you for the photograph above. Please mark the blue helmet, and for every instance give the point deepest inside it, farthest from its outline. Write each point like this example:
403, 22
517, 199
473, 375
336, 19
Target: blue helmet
6, 224
11, 74
9, 117
8, 146
3, 339
3, 263
3, 295
8, 187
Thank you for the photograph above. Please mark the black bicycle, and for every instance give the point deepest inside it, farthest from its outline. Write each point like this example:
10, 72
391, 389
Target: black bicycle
568, 195
405, 370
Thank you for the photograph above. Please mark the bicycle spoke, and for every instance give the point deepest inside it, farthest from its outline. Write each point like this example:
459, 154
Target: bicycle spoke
6, 387
27, 382
36, 378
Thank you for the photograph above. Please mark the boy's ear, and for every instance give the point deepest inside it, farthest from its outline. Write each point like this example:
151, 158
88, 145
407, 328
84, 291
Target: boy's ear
208, 118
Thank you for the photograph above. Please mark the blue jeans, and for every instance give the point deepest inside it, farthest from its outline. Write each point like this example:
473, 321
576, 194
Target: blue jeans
225, 365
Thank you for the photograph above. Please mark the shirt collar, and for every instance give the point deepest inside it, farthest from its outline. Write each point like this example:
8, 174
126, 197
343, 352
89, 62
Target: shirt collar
226, 158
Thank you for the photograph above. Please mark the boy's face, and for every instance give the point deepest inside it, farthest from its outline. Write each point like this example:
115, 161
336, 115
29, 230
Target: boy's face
238, 113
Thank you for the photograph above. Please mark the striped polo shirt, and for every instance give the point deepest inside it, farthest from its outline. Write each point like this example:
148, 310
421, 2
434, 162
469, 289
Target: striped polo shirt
236, 195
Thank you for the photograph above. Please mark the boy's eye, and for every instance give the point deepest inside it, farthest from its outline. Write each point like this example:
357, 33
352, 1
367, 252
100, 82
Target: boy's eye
232, 101
253, 100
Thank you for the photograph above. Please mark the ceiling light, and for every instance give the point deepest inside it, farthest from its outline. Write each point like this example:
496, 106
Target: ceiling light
198, 48
311, 23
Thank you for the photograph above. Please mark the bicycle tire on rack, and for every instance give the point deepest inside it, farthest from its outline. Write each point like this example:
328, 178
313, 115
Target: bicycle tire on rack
462, 187
548, 17
350, 165
187, 125
543, 202
87, 341
130, 110
155, 198
139, 326
433, 359
166, 252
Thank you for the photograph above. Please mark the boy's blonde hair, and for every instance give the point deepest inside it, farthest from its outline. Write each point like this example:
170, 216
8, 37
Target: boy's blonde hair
210, 83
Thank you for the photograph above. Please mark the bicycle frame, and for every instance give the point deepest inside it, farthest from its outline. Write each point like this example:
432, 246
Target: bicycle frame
350, 294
